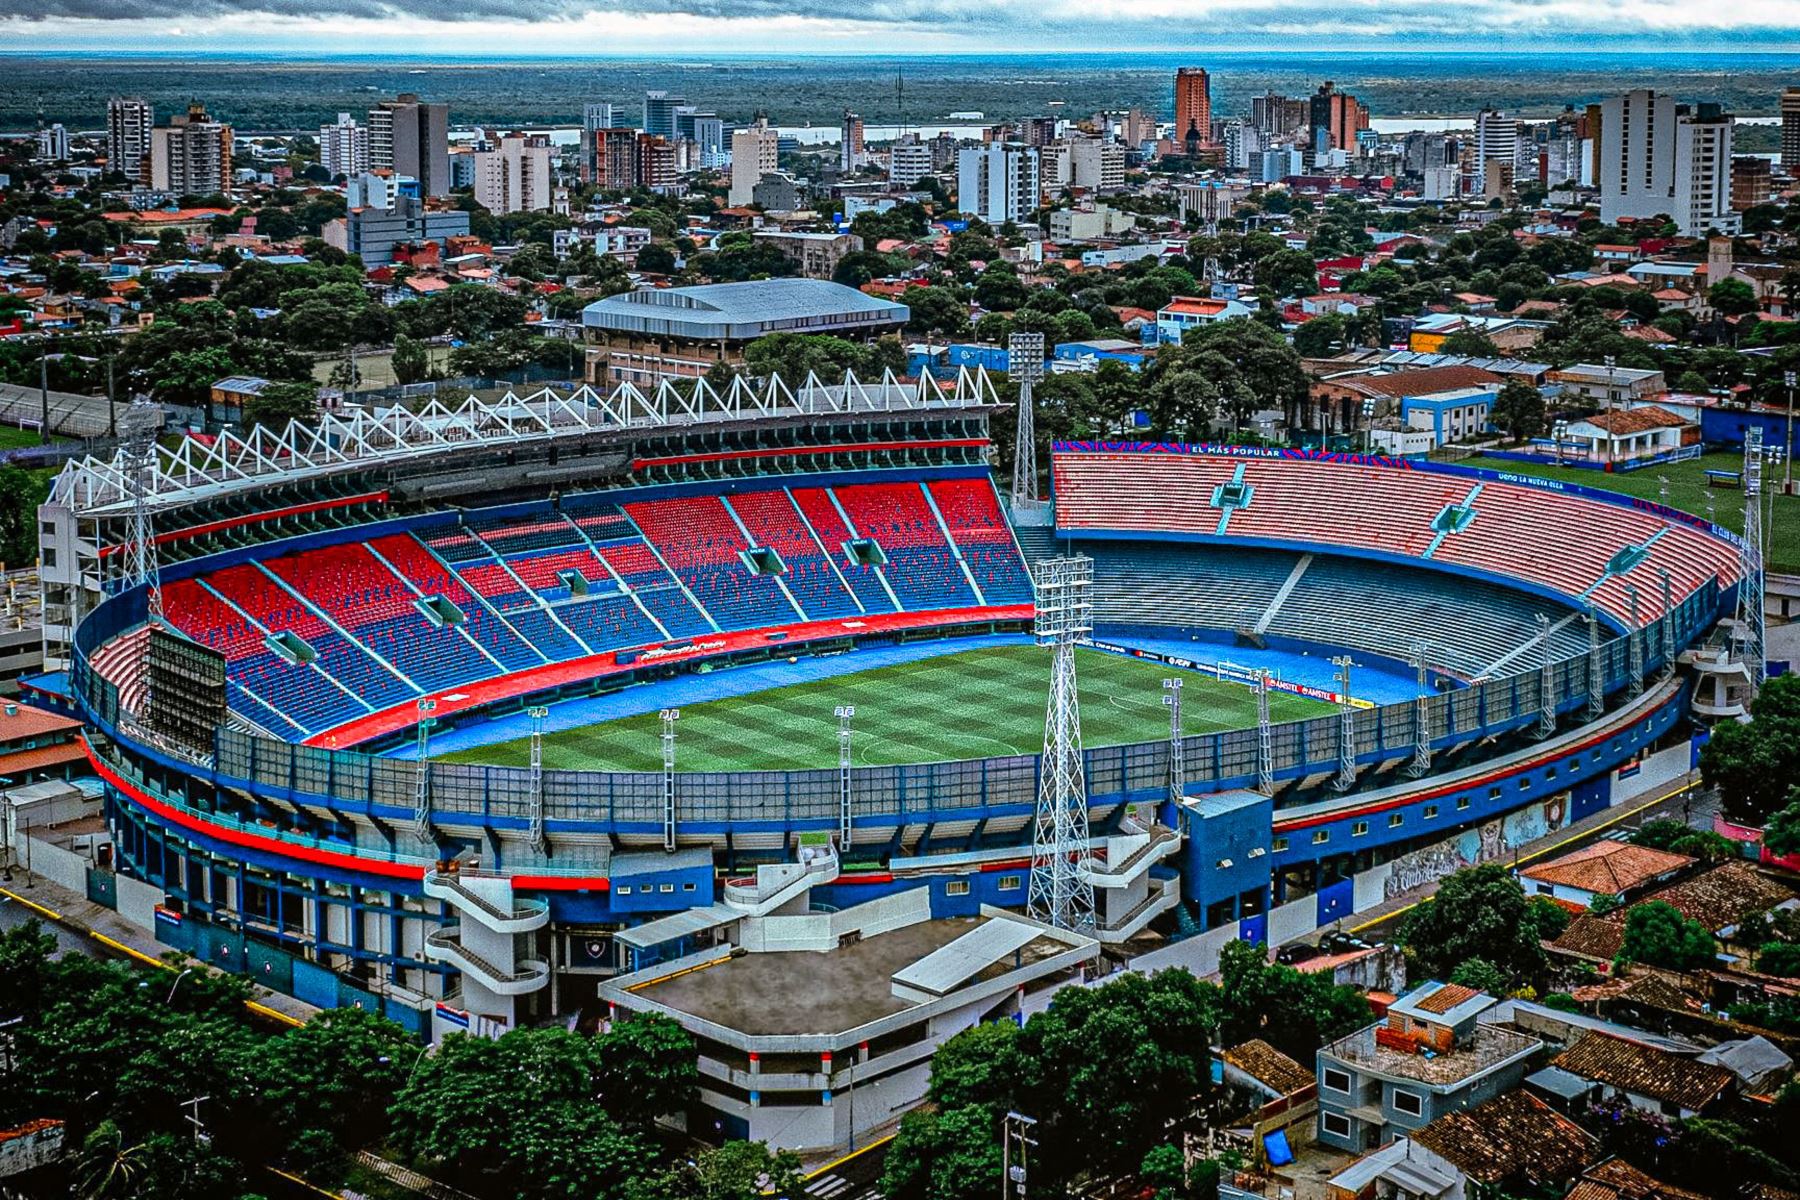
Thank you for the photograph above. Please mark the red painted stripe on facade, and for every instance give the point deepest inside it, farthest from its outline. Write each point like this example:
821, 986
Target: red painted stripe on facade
292, 510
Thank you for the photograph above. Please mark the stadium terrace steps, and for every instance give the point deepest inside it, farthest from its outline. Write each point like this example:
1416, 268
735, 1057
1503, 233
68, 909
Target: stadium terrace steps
549, 587
825, 517
770, 519
923, 569
1554, 540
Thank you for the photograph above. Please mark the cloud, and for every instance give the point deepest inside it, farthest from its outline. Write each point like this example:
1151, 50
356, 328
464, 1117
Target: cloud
909, 25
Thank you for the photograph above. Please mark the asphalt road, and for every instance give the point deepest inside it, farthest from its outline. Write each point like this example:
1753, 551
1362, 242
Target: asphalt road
13, 915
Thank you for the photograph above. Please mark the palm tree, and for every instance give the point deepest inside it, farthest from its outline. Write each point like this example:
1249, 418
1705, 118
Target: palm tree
108, 1167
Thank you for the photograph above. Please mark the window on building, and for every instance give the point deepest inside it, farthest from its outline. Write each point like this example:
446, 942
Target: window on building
1462, 802
1431, 810
1395, 820
1410, 1103
1358, 828
1493, 793
1321, 836
624, 889
1334, 1080
1278, 845
1009, 883
957, 887
665, 887
1335, 1124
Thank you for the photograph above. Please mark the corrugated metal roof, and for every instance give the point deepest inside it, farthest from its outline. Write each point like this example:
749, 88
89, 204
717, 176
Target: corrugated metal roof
736, 311
946, 968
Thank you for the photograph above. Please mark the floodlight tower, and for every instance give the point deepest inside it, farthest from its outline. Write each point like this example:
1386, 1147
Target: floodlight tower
1265, 740
422, 782
1596, 668
843, 713
139, 427
1668, 622
1420, 766
1635, 646
669, 717
1750, 589
1177, 753
1346, 776
1546, 680
539, 840
1025, 364
1061, 893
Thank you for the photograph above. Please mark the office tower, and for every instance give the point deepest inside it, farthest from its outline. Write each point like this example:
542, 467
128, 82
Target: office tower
1335, 118
850, 142
1275, 115
190, 156
128, 122
53, 143
909, 160
1658, 158
597, 115
997, 183
659, 113
1790, 128
344, 147
1038, 131
1496, 141
707, 132
754, 153
409, 137
514, 175
1193, 108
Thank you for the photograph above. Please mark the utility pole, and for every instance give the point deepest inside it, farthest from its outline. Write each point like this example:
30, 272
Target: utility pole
1015, 1154
193, 1118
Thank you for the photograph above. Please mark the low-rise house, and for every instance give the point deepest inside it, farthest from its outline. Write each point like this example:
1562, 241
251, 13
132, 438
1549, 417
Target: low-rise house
1620, 1069
1616, 1179
1758, 1063
1429, 1056
1283, 1096
1512, 1144
1183, 313
1626, 435
1606, 868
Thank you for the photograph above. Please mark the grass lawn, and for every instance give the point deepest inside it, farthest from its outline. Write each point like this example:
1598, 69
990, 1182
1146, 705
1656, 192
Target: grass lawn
974, 704
14, 438
1688, 492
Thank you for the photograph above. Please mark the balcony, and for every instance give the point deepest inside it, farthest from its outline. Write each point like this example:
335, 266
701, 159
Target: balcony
516, 916
444, 945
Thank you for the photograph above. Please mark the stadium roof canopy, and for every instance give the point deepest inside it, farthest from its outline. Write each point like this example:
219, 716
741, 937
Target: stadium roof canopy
194, 469
741, 311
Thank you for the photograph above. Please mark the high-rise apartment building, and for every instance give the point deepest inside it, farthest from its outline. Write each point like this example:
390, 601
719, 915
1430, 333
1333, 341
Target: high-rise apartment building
659, 113
344, 147
997, 183
410, 137
909, 160
190, 156
1496, 142
1790, 128
609, 158
1193, 108
1658, 158
1276, 116
513, 175
754, 153
851, 153
128, 122
597, 115
1096, 164
656, 167
1335, 118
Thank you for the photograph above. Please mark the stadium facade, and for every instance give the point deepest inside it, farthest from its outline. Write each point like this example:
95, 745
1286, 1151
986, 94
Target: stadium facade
332, 595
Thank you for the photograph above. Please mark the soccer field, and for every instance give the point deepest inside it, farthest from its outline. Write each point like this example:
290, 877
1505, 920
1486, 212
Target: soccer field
973, 704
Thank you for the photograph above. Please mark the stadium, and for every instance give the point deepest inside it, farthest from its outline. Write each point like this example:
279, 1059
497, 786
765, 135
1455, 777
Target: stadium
728, 705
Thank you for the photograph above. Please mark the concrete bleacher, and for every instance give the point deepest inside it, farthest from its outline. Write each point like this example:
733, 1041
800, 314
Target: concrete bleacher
922, 569
1557, 541
775, 523
702, 543
971, 512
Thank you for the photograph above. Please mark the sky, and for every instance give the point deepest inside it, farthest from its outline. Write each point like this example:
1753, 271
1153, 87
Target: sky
886, 27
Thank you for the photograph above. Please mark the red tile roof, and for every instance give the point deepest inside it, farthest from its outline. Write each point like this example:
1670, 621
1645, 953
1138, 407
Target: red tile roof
1607, 866
1645, 1071
1513, 1136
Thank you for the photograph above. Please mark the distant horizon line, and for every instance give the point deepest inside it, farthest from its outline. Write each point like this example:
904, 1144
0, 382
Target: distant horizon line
689, 59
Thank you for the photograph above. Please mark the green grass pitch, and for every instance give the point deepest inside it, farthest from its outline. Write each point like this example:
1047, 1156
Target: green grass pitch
972, 704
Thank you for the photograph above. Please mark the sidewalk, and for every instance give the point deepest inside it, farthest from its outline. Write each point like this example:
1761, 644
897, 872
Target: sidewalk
109, 934
1566, 837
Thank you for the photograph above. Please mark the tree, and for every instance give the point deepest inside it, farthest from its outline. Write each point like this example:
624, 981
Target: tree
411, 362
1781, 836
1732, 297
1470, 342
1288, 273
21, 491
1478, 912
937, 310
1320, 337
657, 259
1481, 975
737, 1170
281, 402
1519, 410
336, 1075
1657, 935
1753, 763
1294, 1011
1779, 958
1660, 834
952, 1154
645, 1068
